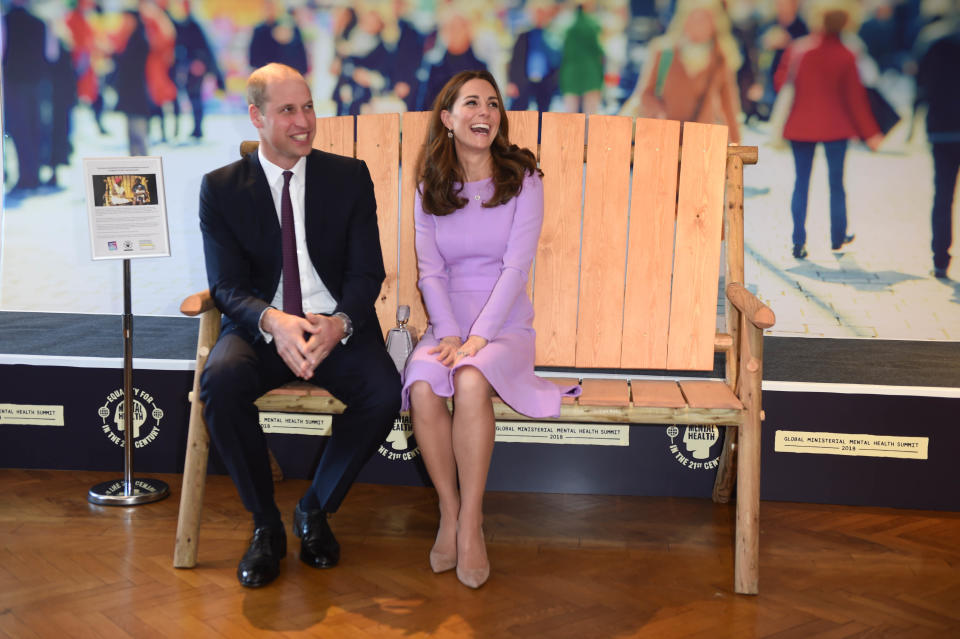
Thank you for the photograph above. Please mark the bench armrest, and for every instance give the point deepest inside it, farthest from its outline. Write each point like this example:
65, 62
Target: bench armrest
756, 312
197, 303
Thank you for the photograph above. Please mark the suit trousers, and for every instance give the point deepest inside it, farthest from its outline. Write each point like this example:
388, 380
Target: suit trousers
360, 374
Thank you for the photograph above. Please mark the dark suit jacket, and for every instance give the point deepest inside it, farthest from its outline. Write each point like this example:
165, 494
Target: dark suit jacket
242, 246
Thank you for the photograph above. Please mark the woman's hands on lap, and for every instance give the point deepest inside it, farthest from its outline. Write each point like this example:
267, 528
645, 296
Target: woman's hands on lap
447, 350
452, 349
469, 348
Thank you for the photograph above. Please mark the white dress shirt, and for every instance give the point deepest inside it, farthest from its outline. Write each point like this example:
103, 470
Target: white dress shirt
315, 295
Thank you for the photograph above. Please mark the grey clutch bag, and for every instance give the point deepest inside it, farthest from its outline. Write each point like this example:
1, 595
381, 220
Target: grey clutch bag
400, 340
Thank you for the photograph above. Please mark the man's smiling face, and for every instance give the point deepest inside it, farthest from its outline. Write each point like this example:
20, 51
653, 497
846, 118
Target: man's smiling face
286, 122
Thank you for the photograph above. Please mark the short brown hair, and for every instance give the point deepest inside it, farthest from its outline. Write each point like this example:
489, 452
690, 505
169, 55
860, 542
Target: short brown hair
835, 20
259, 81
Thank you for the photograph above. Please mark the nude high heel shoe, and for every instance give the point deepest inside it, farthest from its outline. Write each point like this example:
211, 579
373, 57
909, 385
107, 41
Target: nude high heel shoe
441, 562
474, 577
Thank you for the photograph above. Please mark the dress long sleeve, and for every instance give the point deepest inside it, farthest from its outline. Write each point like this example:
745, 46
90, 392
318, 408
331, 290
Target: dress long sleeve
517, 259
434, 275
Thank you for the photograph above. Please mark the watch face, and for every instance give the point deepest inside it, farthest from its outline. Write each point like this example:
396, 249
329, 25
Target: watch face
347, 324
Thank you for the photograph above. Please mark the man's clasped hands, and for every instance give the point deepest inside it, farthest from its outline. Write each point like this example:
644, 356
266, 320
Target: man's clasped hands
303, 342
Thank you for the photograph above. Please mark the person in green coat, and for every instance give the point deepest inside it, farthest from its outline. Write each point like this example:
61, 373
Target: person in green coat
581, 71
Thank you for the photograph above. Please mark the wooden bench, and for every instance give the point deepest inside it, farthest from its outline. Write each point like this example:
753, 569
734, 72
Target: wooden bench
625, 279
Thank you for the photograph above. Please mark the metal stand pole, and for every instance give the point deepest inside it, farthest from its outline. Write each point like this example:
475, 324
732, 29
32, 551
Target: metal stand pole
128, 492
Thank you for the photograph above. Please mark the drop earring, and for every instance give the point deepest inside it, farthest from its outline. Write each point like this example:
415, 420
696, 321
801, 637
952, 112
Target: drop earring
449, 133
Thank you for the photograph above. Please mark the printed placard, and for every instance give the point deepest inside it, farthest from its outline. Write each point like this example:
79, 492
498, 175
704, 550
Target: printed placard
296, 423
553, 433
31, 414
793, 441
126, 207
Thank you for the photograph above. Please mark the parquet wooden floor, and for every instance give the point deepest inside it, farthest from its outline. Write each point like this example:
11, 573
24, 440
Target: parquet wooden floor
563, 566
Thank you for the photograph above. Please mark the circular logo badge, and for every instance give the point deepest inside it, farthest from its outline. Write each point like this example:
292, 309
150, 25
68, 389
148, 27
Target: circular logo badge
145, 420
400, 444
695, 447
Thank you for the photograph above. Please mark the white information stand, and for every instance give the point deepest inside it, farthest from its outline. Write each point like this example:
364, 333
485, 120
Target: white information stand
127, 215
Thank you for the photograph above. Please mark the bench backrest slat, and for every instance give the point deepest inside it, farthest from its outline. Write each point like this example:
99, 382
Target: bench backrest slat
557, 265
646, 320
696, 256
604, 245
413, 134
523, 129
524, 126
335, 135
378, 138
627, 269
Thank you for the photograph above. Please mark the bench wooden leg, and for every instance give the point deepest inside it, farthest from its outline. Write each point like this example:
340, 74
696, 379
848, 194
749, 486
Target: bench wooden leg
198, 449
733, 247
191, 493
727, 467
747, 567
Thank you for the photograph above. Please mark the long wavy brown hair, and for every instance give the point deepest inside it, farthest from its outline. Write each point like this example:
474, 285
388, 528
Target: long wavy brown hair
439, 173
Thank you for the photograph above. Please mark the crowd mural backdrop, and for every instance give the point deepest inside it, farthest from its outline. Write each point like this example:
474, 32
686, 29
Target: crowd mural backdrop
849, 213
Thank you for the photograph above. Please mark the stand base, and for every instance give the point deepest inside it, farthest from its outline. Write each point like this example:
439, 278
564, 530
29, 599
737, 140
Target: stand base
145, 491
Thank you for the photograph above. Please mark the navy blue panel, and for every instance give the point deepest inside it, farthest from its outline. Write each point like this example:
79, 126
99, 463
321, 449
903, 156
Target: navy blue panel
875, 481
660, 460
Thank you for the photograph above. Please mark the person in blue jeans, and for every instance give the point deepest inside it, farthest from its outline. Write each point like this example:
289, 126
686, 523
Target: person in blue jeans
937, 51
830, 106
836, 152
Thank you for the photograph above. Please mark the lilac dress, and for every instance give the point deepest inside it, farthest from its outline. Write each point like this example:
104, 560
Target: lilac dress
474, 265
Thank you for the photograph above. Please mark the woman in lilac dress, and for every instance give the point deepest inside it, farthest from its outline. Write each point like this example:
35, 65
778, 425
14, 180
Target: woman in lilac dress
478, 212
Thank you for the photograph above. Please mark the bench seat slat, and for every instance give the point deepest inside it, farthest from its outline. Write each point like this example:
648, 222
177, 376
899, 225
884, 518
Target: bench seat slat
302, 403
605, 392
657, 393
566, 381
299, 389
709, 394
631, 415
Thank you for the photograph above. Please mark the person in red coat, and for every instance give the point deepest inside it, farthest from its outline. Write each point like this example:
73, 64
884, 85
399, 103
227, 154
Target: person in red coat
162, 37
830, 106
86, 54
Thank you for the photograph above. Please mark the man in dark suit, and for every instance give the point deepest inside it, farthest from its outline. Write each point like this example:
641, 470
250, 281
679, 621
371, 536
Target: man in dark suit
294, 263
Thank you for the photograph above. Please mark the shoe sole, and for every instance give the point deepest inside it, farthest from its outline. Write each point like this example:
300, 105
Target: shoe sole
259, 584
315, 563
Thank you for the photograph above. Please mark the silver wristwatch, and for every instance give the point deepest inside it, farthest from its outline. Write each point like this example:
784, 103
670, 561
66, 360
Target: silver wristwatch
347, 324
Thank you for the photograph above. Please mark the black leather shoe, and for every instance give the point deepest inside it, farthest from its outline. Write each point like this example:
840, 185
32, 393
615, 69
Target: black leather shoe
261, 563
846, 240
318, 546
799, 251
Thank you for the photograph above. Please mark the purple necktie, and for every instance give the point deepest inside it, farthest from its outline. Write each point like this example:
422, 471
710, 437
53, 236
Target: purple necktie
292, 301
